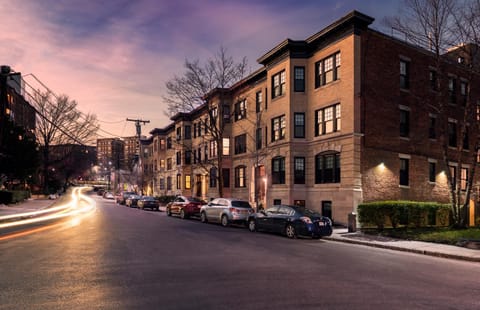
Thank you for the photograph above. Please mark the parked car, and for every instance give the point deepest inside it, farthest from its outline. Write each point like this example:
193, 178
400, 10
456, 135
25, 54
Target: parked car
122, 197
185, 206
108, 195
148, 202
291, 221
226, 211
132, 200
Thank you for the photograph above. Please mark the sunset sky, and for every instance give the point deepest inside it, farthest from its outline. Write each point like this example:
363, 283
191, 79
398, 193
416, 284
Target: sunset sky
114, 56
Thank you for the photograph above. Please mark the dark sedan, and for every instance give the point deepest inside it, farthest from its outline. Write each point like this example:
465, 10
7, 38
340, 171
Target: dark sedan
291, 221
148, 202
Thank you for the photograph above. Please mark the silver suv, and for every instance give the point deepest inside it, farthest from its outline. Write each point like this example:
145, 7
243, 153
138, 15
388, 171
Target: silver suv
226, 211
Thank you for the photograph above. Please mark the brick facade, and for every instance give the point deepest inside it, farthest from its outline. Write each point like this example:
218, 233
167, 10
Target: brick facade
350, 143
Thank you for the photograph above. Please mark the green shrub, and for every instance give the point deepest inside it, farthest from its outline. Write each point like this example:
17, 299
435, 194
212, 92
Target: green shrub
403, 213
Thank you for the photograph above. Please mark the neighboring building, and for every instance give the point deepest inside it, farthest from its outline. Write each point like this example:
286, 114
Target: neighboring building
343, 117
14, 105
110, 153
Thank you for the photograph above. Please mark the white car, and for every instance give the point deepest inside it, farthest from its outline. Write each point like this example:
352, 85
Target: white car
226, 211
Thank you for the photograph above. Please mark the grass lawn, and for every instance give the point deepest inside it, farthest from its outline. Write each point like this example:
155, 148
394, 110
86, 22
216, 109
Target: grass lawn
438, 235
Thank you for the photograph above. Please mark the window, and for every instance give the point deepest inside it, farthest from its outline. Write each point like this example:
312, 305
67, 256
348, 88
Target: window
169, 183
278, 170
404, 171
433, 80
199, 129
162, 184
226, 177
463, 179
299, 170
240, 180
179, 158
179, 133
432, 132
463, 92
299, 79
213, 149
169, 143
188, 132
404, 74
278, 128
278, 84
169, 164
188, 182
179, 181
188, 157
453, 174
194, 130
258, 101
199, 155
162, 164
225, 146
404, 123
241, 144
213, 177
226, 113
327, 120
258, 138
452, 133
213, 115
241, 110
452, 85
299, 130
327, 168
466, 139
327, 70
205, 153
432, 172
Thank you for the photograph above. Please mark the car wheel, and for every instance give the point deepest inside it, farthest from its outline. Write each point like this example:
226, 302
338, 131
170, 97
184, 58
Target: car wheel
290, 231
169, 213
252, 226
224, 221
183, 215
203, 217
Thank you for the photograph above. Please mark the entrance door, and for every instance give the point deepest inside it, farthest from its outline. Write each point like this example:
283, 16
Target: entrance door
327, 209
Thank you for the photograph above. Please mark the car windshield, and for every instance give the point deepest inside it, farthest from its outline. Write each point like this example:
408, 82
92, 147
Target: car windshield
241, 204
194, 199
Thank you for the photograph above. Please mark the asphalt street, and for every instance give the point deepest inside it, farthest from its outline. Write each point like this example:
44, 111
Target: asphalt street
125, 258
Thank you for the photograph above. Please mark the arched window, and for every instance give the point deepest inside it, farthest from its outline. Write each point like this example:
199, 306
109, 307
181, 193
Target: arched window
327, 168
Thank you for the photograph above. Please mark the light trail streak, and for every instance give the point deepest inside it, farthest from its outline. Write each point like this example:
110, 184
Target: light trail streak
80, 205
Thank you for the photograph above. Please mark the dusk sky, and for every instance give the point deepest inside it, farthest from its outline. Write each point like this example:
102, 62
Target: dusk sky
114, 56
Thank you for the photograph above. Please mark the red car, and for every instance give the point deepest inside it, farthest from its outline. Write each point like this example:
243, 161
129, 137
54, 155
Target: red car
185, 206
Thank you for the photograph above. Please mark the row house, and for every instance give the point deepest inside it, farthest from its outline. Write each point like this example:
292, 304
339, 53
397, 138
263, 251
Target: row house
345, 116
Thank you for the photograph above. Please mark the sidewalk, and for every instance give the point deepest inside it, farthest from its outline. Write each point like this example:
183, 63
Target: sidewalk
25, 206
426, 248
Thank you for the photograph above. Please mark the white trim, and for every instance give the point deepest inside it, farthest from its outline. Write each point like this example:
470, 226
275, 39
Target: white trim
404, 156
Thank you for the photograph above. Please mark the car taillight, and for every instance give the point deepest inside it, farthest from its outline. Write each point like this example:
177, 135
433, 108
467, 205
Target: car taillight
306, 220
233, 210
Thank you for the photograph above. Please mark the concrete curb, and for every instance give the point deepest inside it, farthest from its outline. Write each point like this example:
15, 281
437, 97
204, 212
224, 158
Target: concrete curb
405, 249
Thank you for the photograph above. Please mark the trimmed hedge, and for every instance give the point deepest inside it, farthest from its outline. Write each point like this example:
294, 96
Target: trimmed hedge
403, 213
8, 197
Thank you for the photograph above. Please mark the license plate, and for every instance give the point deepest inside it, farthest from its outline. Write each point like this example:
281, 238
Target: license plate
321, 224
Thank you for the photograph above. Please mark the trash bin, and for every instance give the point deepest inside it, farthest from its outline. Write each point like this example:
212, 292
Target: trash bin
352, 222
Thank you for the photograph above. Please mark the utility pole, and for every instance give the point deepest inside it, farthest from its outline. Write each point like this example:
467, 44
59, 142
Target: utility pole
138, 127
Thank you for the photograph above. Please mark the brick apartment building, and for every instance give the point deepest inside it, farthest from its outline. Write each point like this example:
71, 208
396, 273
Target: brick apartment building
343, 117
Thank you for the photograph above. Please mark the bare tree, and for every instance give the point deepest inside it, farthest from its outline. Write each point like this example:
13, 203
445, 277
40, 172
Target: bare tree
439, 25
60, 123
191, 90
